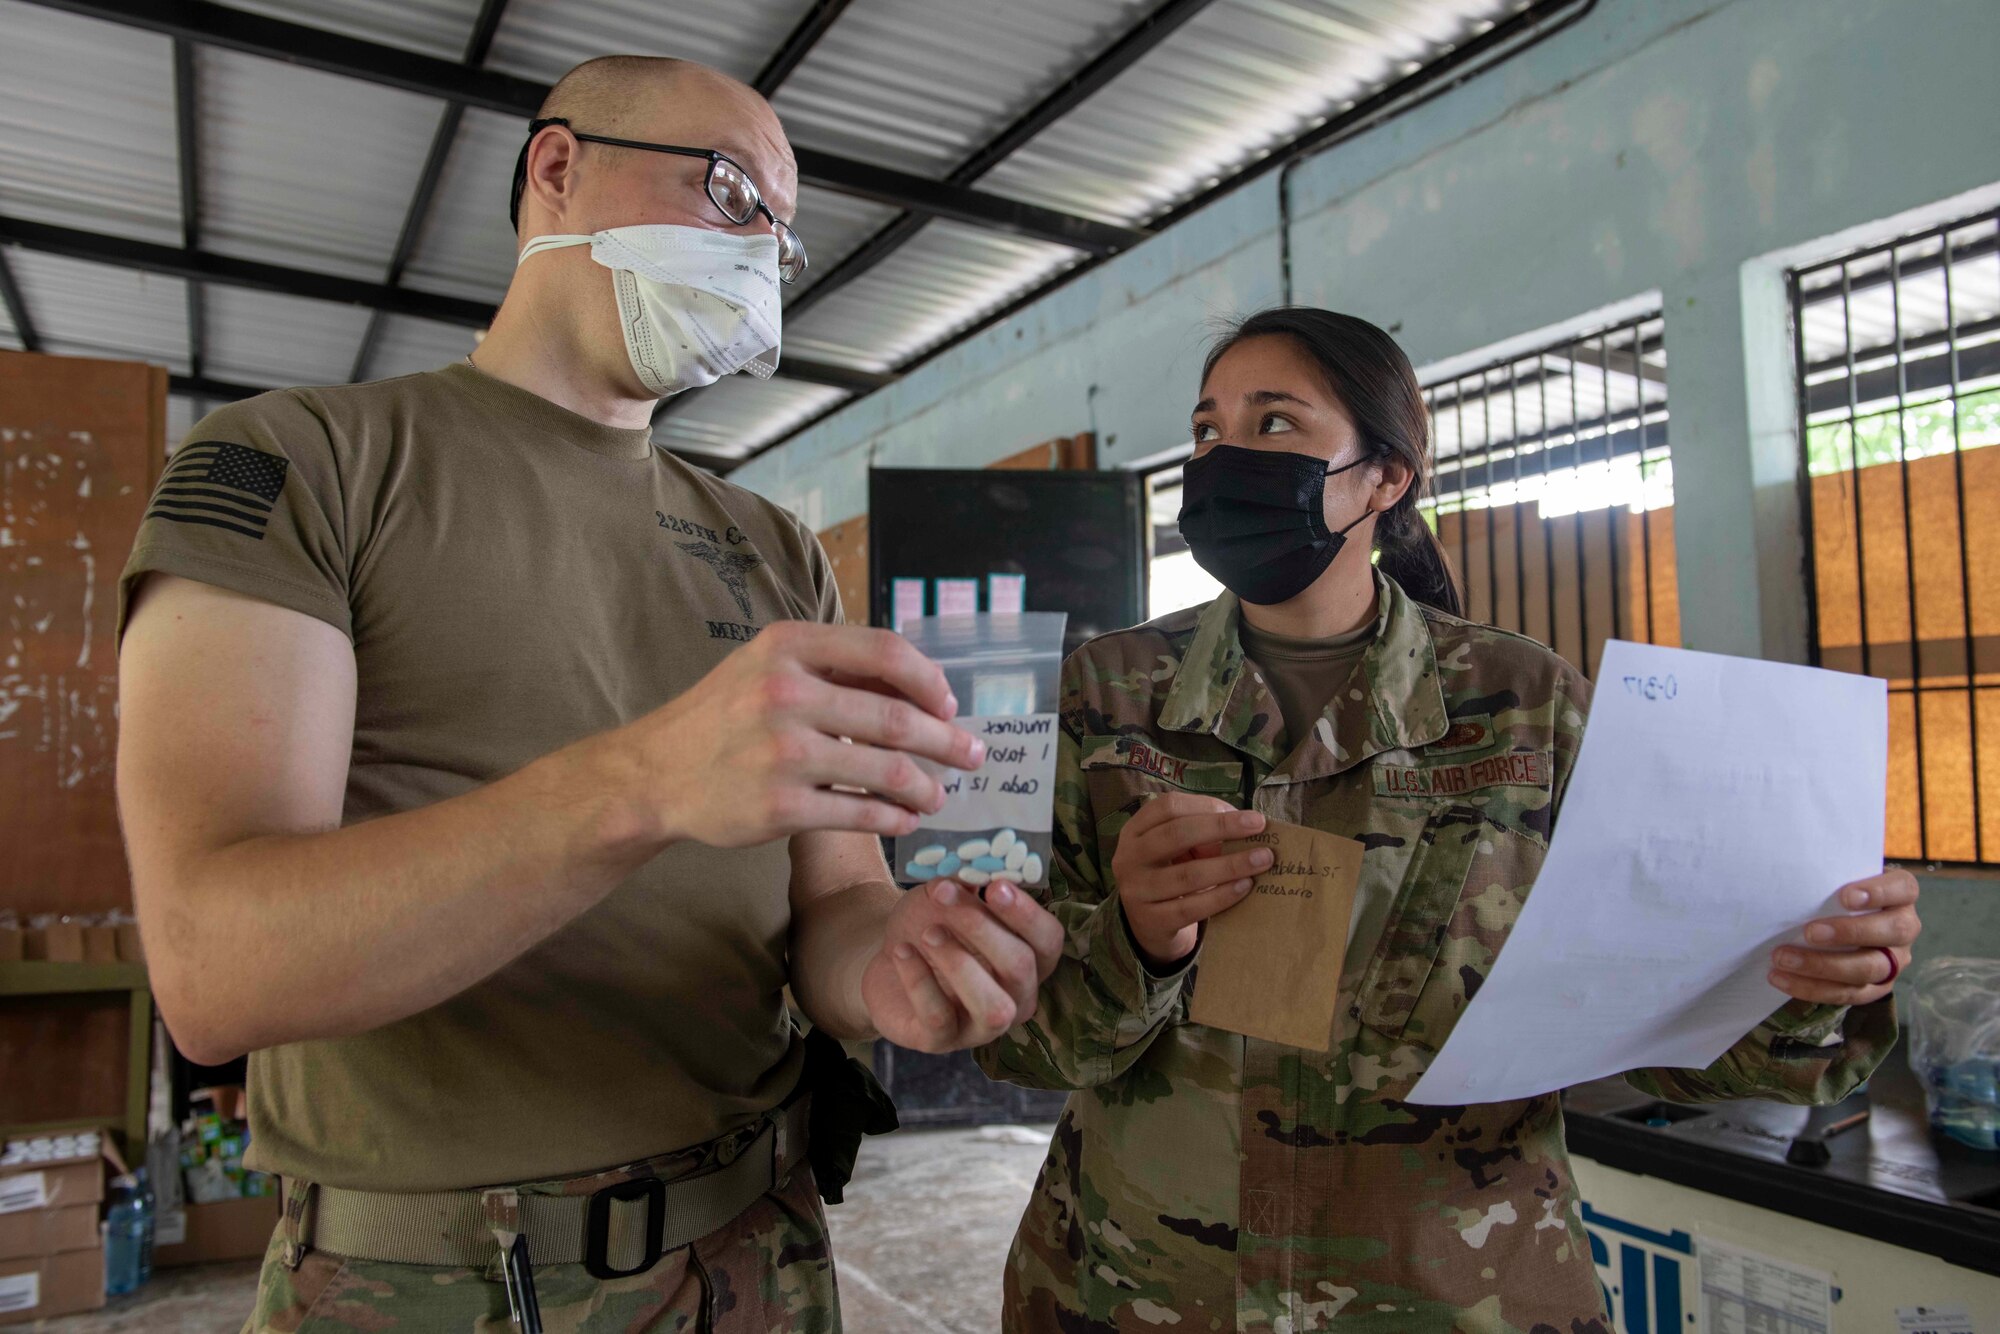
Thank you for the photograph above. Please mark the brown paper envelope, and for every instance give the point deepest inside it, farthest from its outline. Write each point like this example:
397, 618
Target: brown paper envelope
1270, 966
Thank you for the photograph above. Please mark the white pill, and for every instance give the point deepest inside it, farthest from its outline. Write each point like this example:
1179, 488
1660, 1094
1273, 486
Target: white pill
930, 856
1004, 840
977, 847
1031, 870
972, 877
1017, 856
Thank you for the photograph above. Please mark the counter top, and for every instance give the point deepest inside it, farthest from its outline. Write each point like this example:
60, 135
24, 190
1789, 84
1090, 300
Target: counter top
1889, 1178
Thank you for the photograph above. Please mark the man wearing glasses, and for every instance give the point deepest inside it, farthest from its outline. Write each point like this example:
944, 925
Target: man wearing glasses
488, 774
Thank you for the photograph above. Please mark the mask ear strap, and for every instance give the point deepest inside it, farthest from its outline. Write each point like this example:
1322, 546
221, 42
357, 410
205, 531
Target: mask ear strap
1335, 472
1364, 514
554, 241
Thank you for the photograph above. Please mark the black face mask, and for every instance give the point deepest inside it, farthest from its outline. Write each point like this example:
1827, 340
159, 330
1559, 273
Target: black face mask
1256, 520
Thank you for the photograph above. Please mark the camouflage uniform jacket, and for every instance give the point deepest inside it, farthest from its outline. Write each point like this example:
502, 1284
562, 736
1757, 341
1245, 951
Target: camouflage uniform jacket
1201, 1180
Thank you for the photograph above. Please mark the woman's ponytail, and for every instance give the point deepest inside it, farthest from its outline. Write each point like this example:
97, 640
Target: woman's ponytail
1414, 558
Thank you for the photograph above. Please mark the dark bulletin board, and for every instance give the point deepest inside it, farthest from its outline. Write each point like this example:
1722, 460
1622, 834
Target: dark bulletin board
1079, 537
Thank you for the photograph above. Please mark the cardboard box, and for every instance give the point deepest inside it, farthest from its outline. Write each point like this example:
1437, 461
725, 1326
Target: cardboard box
60, 943
58, 1185
224, 1230
50, 1285
13, 945
35, 1232
129, 949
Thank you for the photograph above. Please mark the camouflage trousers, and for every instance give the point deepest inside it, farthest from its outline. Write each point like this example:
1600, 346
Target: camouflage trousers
767, 1272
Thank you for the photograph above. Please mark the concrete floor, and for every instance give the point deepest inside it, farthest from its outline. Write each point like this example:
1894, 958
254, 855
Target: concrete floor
919, 1244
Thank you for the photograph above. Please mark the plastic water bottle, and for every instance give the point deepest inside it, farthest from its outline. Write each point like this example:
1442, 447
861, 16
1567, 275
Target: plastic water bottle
124, 1237
150, 1208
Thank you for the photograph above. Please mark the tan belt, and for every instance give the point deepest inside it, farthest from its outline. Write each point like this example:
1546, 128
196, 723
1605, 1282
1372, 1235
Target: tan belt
620, 1229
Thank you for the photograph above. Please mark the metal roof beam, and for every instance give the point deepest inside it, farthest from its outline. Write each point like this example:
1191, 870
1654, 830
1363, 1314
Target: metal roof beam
476, 48
317, 48
188, 148
797, 46
941, 199
17, 309
204, 387
202, 266
334, 53
833, 376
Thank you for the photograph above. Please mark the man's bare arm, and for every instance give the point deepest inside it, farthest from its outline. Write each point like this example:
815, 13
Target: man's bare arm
265, 922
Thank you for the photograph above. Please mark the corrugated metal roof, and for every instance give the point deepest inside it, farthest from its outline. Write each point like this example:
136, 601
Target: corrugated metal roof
1241, 79
306, 169
314, 171
94, 310
406, 345
1549, 391
466, 247
181, 417
943, 280
728, 417
920, 84
1872, 310
541, 39
832, 226
260, 339
87, 125
434, 27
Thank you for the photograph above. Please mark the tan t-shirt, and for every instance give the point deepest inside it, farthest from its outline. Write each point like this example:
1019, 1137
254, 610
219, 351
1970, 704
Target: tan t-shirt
514, 577
1304, 674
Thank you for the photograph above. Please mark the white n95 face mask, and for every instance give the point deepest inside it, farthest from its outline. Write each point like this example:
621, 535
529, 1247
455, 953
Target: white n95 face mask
695, 305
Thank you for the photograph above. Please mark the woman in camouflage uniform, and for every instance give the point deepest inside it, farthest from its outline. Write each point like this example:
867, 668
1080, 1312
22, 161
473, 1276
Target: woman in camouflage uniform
1200, 1180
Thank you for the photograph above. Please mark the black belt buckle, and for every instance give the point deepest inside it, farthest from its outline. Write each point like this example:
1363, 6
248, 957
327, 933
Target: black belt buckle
597, 1227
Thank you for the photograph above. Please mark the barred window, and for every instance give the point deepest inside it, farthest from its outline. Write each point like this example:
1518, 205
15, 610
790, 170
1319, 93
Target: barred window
1897, 350
1553, 491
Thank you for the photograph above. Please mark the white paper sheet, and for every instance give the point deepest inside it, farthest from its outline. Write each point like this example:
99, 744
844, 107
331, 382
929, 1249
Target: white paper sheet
1013, 789
1716, 806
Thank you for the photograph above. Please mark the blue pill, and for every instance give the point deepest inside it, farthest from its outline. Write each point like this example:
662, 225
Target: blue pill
989, 863
916, 872
948, 865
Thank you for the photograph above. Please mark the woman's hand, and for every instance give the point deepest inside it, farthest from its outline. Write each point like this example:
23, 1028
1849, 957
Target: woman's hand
1842, 961
1173, 876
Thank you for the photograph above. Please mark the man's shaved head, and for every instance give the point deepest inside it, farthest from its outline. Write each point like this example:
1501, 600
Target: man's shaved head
620, 95
660, 99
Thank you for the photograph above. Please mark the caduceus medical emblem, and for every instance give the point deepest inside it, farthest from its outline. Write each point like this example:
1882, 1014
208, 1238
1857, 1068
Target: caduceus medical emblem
731, 567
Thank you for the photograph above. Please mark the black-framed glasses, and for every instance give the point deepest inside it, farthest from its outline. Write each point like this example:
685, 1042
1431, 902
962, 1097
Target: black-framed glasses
729, 188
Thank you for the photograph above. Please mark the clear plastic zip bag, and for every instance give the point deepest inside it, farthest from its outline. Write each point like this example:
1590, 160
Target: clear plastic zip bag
996, 821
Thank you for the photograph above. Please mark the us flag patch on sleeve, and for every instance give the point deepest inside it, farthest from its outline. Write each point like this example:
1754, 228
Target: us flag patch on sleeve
220, 485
